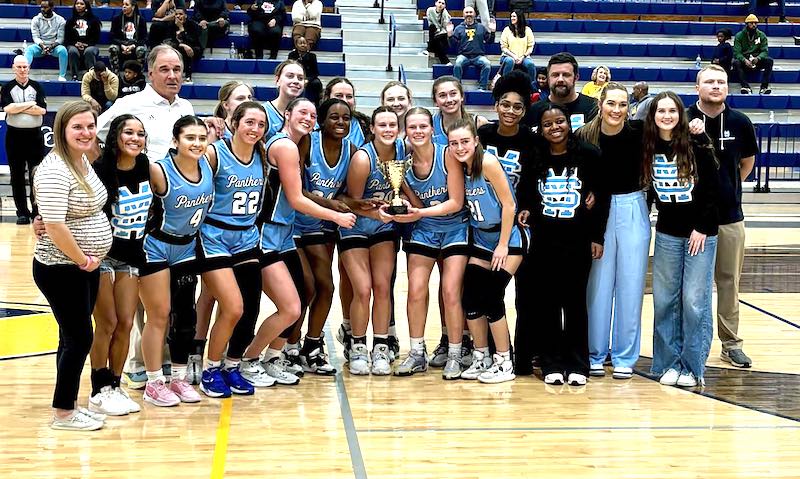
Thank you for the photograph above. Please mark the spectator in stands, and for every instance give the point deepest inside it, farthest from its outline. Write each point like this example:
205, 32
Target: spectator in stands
47, 30
266, 26
438, 18
212, 16
184, 36
751, 53
307, 21
640, 102
562, 75
81, 36
128, 36
723, 52
99, 87
735, 147
485, 7
542, 91
163, 22
309, 62
600, 78
471, 39
132, 79
516, 43
781, 7
24, 103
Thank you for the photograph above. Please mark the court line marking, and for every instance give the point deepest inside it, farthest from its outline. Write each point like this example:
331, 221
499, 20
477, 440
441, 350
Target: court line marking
221, 446
357, 460
28, 304
23, 356
573, 428
773, 315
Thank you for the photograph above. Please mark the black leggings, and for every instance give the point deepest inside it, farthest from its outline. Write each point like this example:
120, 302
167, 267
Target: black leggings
248, 276
183, 316
438, 45
264, 37
72, 294
24, 147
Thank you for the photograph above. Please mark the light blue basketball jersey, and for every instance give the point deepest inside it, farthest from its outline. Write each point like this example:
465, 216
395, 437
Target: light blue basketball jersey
277, 210
439, 135
185, 203
274, 120
356, 135
321, 179
227, 133
432, 191
377, 185
238, 187
486, 211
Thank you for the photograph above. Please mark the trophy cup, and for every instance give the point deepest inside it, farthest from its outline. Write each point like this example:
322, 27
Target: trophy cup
395, 172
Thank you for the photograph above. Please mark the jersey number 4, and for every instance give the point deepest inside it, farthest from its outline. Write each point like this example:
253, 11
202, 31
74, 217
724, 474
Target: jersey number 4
244, 204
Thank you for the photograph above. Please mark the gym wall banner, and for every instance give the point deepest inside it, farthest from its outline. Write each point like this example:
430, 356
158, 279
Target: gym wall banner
47, 131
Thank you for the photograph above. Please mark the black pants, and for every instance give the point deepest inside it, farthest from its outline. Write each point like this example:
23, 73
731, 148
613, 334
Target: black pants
742, 70
183, 317
24, 147
248, 276
527, 341
212, 31
314, 90
560, 295
264, 37
438, 44
71, 294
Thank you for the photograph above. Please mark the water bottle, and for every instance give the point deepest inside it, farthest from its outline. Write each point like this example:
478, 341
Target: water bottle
697, 61
771, 116
232, 53
24, 46
241, 29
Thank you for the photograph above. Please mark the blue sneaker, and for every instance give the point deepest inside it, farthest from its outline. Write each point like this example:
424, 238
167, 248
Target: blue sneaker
136, 380
213, 384
237, 384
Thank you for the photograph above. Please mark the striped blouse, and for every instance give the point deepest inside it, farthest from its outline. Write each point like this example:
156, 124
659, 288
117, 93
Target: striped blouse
62, 200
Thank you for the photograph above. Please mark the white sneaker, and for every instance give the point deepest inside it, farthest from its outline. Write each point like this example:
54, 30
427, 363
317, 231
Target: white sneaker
254, 373
290, 360
60, 78
669, 378
108, 402
480, 363
274, 368
381, 364
94, 415
597, 370
554, 379
77, 421
194, 369
502, 370
133, 406
576, 379
359, 359
621, 372
686, 380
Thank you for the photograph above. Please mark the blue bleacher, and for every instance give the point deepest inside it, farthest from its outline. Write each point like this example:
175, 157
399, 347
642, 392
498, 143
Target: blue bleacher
643, 27
106, 13
579, 7
205, 65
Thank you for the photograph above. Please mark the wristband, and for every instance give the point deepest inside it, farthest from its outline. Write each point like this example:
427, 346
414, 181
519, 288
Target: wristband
89, 260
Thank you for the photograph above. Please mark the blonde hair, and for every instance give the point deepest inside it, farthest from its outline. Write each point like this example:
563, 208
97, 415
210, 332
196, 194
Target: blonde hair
601, 68
225, 92
712, 67
590, 132
60, 148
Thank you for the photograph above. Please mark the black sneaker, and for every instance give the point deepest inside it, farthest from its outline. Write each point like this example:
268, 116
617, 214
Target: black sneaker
765, 90
394, 348
345, 338
23, 220
736, 358
745, 90
439, 356
17, 51
467, 346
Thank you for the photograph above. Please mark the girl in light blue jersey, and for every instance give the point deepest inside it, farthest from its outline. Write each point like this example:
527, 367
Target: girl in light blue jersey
290, 80
448, 95
435, 186
184, 189
281, 273
497, 247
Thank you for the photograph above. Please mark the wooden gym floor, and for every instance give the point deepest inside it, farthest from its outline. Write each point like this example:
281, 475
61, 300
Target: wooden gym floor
743, 424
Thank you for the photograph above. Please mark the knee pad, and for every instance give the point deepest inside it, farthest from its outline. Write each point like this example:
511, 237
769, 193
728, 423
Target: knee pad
472, 299
495, 306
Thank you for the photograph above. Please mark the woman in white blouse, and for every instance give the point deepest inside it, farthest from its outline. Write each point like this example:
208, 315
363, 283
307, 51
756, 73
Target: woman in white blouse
66, 258
307, 21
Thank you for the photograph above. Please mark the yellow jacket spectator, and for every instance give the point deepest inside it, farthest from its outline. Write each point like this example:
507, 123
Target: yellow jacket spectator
600, 78
99, 87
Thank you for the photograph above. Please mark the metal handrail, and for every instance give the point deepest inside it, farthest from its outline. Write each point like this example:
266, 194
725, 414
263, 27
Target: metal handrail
392, 41
381, 20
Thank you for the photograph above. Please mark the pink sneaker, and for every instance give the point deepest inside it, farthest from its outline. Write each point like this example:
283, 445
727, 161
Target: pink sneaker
158, 394
184, 390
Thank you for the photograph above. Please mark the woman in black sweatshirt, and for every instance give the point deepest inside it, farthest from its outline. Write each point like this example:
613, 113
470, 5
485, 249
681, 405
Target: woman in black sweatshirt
682, 172
128, 36
81, 36
566, 236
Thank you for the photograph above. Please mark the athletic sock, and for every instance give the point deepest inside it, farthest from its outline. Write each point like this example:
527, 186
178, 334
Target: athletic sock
359, 339
484, 350
271, 354
454, 349
506, 355
117, 381
213, 364
178, 371
417, 344
153, 376
346, 324
229, 364
392, 330
199, 346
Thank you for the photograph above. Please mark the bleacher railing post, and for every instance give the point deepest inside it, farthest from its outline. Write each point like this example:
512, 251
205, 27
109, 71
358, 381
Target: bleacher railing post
389, 67
381, 20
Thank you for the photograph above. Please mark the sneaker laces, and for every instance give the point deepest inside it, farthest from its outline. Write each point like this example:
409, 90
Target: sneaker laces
381, 352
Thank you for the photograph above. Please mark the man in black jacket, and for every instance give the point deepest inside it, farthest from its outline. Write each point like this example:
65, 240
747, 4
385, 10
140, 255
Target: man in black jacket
212, 16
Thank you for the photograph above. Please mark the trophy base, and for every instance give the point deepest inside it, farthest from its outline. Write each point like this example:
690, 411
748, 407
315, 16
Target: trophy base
397, 209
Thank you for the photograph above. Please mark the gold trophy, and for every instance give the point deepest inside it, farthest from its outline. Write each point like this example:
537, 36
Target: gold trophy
395, 172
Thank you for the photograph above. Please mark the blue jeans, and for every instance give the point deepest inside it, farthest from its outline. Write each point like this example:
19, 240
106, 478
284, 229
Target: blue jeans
616, 283
683, 322
480, 61
507, 64
35, 51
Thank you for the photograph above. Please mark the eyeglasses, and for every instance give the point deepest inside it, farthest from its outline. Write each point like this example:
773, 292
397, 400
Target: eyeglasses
514, 107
